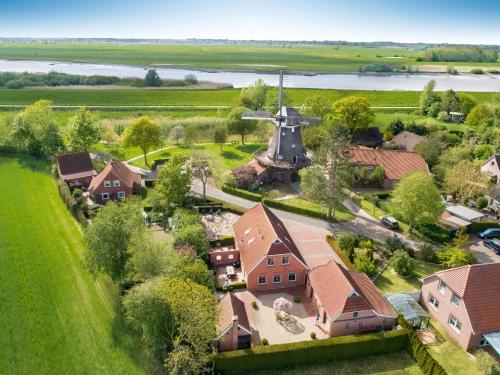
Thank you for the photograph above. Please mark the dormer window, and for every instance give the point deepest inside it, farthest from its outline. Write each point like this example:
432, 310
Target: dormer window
442, 287
251, 240
247, 231
270, 262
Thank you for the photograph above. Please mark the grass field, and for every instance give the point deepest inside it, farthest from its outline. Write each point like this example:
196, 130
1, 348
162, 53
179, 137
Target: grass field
398, 363
268, 58
54, 318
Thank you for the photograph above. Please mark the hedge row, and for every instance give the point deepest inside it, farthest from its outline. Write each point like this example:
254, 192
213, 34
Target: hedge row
223, 241
281, 205
8, 149
343, 257
229, 207
434, 233
483, 225
241, 193
70, 201
419, 351
310, 352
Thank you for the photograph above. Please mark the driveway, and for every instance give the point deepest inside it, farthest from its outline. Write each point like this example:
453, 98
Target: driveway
483, 254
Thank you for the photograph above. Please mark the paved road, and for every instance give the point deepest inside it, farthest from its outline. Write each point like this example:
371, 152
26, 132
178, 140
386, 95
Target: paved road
362, 224
482, 253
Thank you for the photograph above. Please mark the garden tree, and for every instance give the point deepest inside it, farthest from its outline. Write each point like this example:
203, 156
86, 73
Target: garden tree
450, 157
83, 131
195, 315
272, 100
477, 114
428, 97
244, 176
143, 133
236, 125
454, 256
450, 102
352, 111
430, 149
486, 363
313, 184
174, 181
193, 235
204, 166
465, 181
152, 78
396, 126
402, 263
254, 96
466, 103
394, 243
484, 151
220, 136
332, 163
317, 105
312, 136
364, 262
190, 136
416, 200
35, 132
151, 315
177, 133
108, 237
347, 243
181, 360
427, 253
461, 238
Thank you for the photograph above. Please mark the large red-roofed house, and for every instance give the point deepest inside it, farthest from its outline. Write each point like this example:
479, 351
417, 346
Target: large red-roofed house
466, 301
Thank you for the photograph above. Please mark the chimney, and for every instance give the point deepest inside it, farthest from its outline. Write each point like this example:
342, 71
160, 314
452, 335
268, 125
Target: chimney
234, 333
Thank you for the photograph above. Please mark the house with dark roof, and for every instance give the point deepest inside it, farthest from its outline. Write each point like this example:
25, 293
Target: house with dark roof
115, 182
76, 169
268, 255
396, 164
406, 141
491, 168
234, 331
369, 137
466, 302
347, 302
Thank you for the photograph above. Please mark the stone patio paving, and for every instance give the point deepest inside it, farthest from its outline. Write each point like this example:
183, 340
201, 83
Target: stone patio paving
219, 224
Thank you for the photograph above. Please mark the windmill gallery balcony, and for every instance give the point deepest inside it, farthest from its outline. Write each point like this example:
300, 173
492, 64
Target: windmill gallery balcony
295, 163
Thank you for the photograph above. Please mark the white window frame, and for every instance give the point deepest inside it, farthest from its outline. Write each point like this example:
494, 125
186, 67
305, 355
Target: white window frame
287, 260
271, 262
107, 183
442, 287
274, 278
103, 196
122, 195
265, 279
294, 277
116, 183
434, 302
230, 256
455, 300
455, 324
218, 258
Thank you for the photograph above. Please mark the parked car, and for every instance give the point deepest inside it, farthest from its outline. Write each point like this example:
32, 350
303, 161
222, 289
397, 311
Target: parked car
389, 222
490, 233
493, 244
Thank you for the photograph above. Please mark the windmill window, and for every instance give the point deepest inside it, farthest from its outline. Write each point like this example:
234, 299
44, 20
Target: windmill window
293, 130
294, 159
283, 134
293, 144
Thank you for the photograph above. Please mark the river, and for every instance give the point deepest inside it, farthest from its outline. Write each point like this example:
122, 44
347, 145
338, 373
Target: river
385, 82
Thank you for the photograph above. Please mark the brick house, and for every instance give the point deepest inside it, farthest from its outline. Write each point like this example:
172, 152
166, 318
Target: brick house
466, 302
347, 302
396, 163
234, 331
115, 182
269, 257
76, 169
491, 168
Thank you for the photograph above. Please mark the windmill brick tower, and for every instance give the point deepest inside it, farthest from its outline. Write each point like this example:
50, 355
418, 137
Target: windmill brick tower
285, 153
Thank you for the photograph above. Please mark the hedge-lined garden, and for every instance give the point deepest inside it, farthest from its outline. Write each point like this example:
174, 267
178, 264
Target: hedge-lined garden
71, 203
314, 351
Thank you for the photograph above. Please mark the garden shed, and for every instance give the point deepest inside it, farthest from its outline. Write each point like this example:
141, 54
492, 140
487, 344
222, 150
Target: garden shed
407, 305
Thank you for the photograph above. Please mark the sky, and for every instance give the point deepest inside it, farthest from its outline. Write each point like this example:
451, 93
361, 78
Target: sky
440, 21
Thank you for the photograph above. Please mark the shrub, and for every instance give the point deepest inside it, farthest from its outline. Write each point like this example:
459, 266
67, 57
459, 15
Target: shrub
396, 126
477, 71
453, 256
237, 285
193, 235
313, 335
480, 226
443, 116
297, 299
254, 305
427, 253
343, 257
264, 341
245, 176
311, 351
394, 243
191, 78
365, 263
486, 363
451, 70
282, 205
402, 263
433, 232
493, 71
242, 193
348, 242
482, 202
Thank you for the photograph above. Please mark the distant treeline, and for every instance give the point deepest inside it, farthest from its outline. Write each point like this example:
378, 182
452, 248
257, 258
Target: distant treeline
459, 54
20, 80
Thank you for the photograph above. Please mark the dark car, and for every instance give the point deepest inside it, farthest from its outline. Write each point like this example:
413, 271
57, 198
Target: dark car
490, 233
493, 245
389, 222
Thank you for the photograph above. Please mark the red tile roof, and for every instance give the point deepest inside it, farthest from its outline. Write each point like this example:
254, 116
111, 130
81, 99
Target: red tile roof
74, 165
121, 171
258, 233
397, 164
231, 305
479, 287
340, 291
259, 168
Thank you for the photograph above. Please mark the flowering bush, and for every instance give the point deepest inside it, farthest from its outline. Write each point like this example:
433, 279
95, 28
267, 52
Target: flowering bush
282, 307
244, 176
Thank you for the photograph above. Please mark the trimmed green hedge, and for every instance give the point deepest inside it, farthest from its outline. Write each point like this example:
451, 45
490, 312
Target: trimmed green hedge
281, 205
230, 207
223, 241
419, 352
479, 227
310, 352
434, 233
70, 201
343, 257
241, 193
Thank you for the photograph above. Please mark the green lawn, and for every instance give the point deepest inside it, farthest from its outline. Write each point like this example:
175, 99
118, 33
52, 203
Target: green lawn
398, 363
341, 213
243, 57
389, 283
54, 318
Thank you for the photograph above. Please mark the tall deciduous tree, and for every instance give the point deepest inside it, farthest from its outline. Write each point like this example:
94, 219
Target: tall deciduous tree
83, 131
416, 200
143, 133
317, 105
254, 96
108, 237
220, 136
353, 111
177, 133
203, 166
477, 114
332, 170
465, 180
451, 102
236, 125
174, 181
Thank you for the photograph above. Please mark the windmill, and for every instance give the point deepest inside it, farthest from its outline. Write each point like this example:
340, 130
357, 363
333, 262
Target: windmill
285, 153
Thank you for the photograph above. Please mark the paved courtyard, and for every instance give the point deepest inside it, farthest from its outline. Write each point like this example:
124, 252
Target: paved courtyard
482, 253
297, 328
